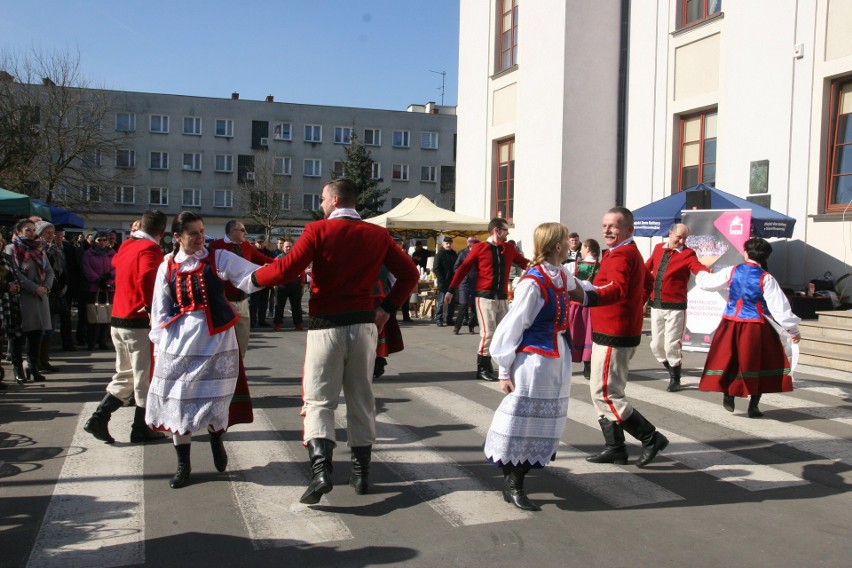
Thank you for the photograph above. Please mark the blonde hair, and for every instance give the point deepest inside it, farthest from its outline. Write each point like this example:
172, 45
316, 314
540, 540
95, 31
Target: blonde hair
545, 238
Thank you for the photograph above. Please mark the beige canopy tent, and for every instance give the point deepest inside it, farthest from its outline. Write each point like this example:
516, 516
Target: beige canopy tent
419, 215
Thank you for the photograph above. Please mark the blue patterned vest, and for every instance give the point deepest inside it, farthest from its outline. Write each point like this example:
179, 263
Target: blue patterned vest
201, 289
542, 336
745, 294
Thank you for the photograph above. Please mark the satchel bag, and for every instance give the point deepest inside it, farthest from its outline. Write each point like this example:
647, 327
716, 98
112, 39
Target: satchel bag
100, 311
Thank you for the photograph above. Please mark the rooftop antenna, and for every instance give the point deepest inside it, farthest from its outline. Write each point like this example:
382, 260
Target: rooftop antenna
443, 75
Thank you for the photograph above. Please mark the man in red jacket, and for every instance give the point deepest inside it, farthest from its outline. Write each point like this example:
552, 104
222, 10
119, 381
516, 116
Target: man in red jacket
617, 296
493, 260
135, 264
235, 241
670, 264
344, 327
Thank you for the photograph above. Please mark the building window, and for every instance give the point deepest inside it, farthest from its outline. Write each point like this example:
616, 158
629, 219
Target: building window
337, 169
92, 194
125, 194
313, 133
159, 161
224, 127
91, 159
401, 138
429, 173
281, 166
372, 137
505, 178
400, 172
282, 131
192, 161
697, 10
125, 122
376, 170
429, 140
342, 135
192, 125
125, 158
191, 198
310, 202
697, 150
159, 123
508, 50
839, 186
395, 201
158, 196
285, 201
223, 198
223, 163
312, 168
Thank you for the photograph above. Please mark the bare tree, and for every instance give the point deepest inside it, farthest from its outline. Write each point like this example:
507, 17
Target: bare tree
264, 199
57, 135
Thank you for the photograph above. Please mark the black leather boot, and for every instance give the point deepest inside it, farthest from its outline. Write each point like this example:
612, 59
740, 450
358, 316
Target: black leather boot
44, 357
18, 371
360, 468
653, 442
615, 451
484, 368
320, 451
184, 467
674, 378
217, 446
587, 370
139, 432
753, 410
97, 425
728, 402
513, 487
32, 370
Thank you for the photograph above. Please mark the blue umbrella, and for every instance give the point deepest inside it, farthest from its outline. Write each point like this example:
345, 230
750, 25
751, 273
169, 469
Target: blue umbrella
655, 219
64, 217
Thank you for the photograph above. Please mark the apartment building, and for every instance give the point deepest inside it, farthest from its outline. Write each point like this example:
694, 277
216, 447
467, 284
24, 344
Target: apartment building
199, 153
625, 103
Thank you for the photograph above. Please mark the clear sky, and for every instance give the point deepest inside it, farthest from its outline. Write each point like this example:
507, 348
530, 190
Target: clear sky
359, 53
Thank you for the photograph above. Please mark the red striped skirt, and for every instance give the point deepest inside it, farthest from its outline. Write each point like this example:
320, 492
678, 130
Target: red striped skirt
390, 339
746, 359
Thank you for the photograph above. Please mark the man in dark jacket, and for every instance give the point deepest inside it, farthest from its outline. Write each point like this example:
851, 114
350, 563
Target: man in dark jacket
444, 268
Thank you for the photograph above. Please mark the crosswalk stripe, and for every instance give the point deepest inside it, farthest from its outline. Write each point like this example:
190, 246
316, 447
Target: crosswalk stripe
449, 489
618, 491
270, 509
804, 439
96, 516
723, 465
839, 414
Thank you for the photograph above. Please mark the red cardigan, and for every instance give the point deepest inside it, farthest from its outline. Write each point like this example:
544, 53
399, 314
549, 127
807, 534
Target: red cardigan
493, 263
618, 305
670, 283
347, 254
248, 252
135, 265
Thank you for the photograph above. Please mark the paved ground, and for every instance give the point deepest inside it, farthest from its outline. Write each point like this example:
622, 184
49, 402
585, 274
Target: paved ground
728, 491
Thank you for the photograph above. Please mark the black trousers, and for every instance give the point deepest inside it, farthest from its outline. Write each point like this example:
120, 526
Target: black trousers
292, 292
258, 304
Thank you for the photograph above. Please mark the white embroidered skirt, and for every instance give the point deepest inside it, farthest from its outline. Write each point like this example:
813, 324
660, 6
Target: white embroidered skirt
194, 377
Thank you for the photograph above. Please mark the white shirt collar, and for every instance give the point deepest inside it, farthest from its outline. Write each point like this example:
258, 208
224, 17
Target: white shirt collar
344, 212
626, 241
181, 257
140, 234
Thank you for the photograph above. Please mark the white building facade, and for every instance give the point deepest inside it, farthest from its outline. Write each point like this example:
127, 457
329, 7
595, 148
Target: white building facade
751, 97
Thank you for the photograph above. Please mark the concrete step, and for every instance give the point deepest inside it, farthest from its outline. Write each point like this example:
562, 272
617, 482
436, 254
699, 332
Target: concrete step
817, 330
835, 350
825, 362
838, 319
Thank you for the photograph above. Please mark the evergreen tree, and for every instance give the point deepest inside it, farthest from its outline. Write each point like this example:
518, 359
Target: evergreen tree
358, 167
